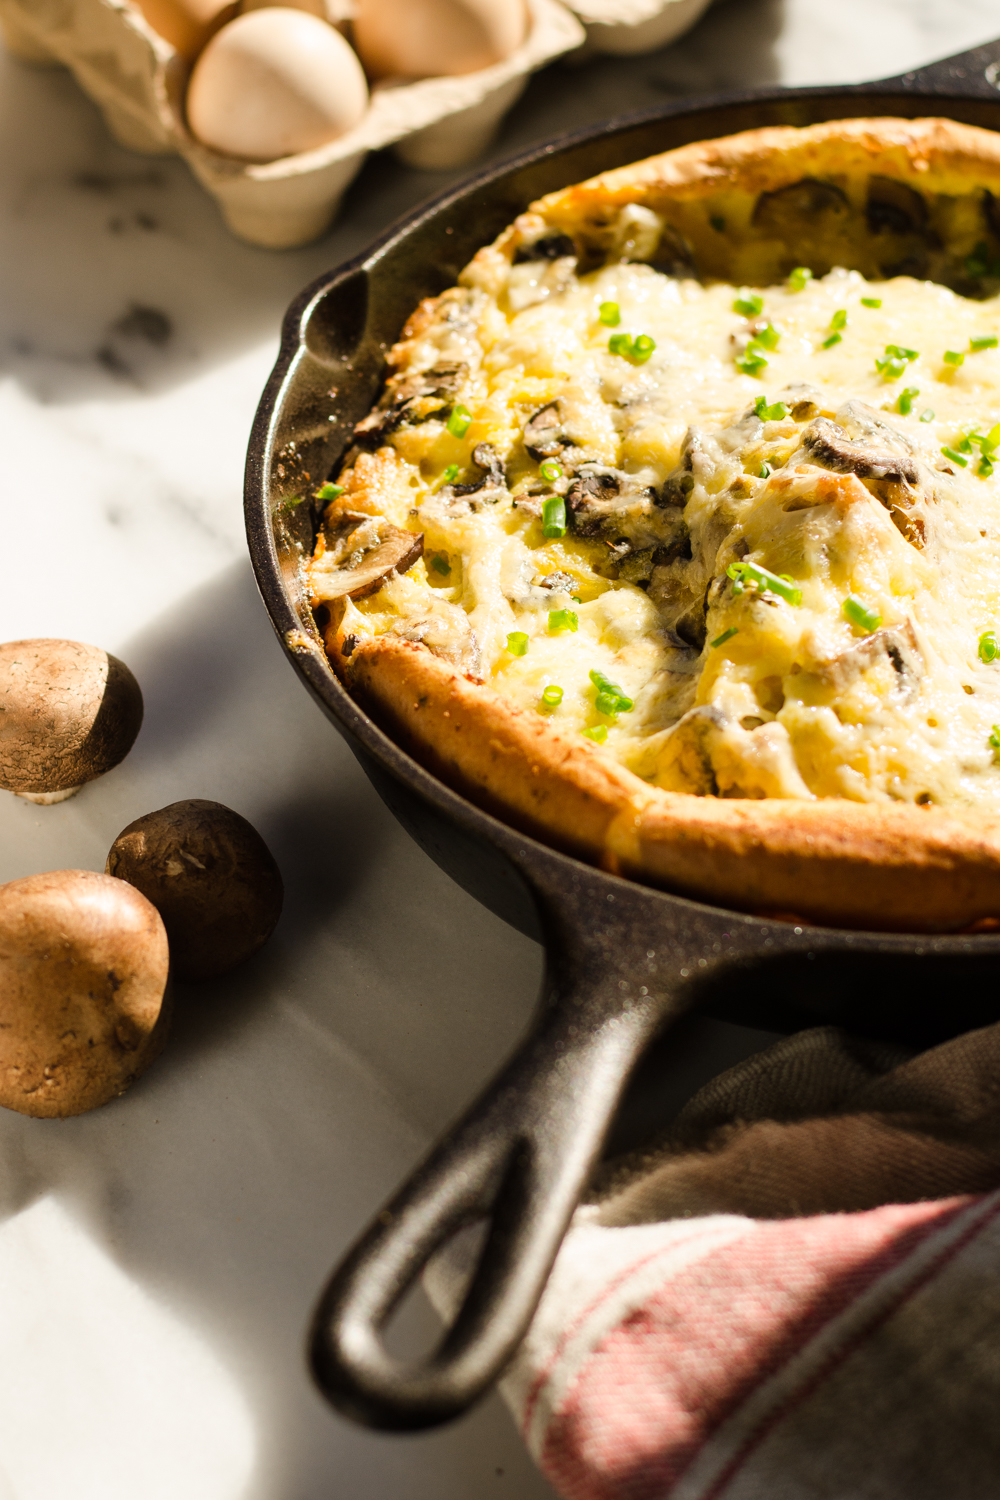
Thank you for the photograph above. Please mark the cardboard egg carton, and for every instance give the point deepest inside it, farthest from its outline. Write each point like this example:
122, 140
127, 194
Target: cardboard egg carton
139, 82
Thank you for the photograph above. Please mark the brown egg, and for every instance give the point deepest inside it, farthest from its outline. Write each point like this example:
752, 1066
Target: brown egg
83, 974
427, 38
314, 7
187, 24
68, 713
274, 83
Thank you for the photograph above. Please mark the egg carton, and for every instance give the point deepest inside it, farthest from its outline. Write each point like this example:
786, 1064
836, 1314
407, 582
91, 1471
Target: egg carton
626, 27
139, 82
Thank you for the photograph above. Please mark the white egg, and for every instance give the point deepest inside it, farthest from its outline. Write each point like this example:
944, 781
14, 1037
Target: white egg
273, 83
427, 38
187, 24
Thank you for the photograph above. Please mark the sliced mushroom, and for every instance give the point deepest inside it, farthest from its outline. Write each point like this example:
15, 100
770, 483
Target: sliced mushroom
882, 457
486, 457
544, 436
897, 644
895, 207
447, 633
674, 255
557, 582
411, 399
360, 555
803, 401
785, 208
547, 246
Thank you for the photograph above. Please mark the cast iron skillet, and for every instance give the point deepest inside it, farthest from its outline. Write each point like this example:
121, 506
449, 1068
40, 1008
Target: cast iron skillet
623, 960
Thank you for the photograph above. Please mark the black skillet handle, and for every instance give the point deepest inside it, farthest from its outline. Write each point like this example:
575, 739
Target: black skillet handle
519, 1158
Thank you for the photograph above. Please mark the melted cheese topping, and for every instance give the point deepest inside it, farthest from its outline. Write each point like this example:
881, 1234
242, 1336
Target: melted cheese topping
798, 700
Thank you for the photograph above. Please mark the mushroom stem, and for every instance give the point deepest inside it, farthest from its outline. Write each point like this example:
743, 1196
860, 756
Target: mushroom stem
48, 799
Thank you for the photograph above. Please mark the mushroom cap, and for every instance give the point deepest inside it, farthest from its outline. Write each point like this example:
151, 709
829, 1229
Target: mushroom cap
212, 879
68, 713
83, 979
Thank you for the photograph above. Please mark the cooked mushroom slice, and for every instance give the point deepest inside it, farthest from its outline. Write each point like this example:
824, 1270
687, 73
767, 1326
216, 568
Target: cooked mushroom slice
803, 401
551, 246
861, 443
360, 555
775, 212
894, 206
486, 457
557, 582
624, 512
897, 645
544, 436
447, 633
411, 399
687, 763
674, 254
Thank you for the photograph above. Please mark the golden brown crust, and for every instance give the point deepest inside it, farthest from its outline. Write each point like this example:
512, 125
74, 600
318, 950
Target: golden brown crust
861, 865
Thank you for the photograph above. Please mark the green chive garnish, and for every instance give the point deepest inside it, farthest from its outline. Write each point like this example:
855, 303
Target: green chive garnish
726, 635
610, 314
799, 279
552, 696
994, 739
860, 615
743, 573
871, 302
989, 646
985, 467
637, 349
985, 341
292, 503
752, 361
459, 421
768, 337
927, 415
448, 477
550, 471
598, 733
554, 516
833, 339
610, 698
440, 564
777, 412
952, 357
906, 399
992, 439
749, 304
956, 458
839, 319
765, 470
329, 491
517, 643
562, 619
895, 361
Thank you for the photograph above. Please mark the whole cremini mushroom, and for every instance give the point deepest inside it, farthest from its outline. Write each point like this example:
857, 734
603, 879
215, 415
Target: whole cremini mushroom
83, 980
68, 714
212, 879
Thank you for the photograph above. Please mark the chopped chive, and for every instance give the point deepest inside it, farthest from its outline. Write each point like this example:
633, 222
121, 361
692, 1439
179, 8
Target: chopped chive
517, 643
743, 573
768, 337
871, 302
449, 476
777, 412
292, 503
718, 223
554, 516
904, 404
552, 696
752, 360
989, 646
860, 615
984, 468
620, 343
927, 415
550, 471
562, 619
952, 357
749, 304
329, 491
726, 635
610, 699
991, 440
994, 739
440, 564
894, 361
839, 319
834, 338
956, 458
799, 279
598, 733
984, 341
459, 421
642, 348
765, 471
610, 314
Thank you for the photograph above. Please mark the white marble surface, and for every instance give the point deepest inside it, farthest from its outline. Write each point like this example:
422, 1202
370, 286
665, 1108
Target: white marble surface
158, 1259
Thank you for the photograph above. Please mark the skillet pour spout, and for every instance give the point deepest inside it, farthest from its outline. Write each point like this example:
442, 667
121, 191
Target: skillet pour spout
623, 960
